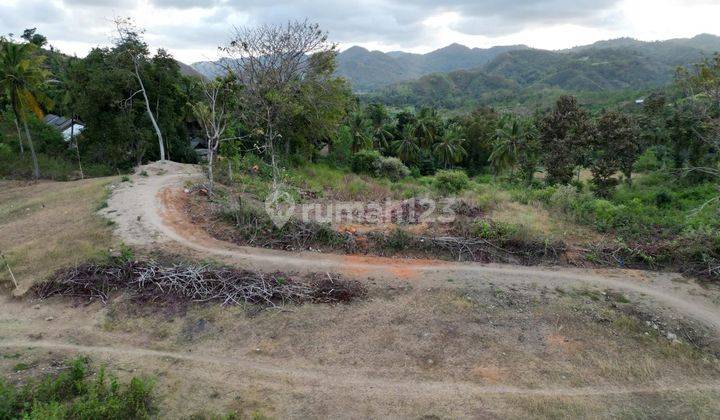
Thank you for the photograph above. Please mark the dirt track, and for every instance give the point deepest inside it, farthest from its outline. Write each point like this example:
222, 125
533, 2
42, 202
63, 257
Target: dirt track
148, 212
405, 352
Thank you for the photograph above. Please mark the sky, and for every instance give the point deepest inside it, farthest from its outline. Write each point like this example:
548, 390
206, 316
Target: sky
192, 30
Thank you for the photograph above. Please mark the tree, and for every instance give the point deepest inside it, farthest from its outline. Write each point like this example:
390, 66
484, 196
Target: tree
359, 132
702, 89
272, 63
479, 132
406, 146
428, 126
130, 41
449, 149
21, 75
32, 37
213, 113
615, 147
516, 145
378, 116
564, 135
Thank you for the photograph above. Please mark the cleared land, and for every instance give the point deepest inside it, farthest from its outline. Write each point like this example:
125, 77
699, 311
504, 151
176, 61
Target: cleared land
432, 339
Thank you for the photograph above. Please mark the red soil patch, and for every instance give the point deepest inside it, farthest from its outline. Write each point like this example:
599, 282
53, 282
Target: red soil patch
402, 269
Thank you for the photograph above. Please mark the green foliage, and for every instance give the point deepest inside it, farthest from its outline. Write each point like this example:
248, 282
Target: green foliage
366, 161
74, 394
564, 135
451, 181
392, 169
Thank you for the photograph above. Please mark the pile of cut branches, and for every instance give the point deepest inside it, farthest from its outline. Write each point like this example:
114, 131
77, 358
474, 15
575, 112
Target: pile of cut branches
150, 281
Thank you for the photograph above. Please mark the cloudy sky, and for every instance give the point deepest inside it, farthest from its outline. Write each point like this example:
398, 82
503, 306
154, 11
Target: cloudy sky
192, 29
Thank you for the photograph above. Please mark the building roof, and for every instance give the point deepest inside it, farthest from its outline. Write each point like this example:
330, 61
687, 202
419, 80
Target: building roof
60, 123
67, 127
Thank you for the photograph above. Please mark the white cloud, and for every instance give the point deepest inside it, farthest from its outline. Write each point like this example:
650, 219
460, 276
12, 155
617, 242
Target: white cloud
192, 29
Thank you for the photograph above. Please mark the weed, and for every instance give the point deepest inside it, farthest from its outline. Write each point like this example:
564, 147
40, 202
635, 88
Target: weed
73, 393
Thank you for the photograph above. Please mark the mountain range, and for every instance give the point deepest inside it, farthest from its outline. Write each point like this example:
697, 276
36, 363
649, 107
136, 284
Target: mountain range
456, 74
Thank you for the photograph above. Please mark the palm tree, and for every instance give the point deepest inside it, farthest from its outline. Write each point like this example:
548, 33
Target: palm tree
406, 146
505, 148
358, 132
450, 148
21, 74
428, 126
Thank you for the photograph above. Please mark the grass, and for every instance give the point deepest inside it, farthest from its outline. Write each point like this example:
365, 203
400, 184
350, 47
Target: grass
50, 225
75, 394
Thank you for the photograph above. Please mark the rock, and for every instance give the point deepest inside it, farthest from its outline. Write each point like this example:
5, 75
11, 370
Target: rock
671, 336
36, 307
430, 361
49, 319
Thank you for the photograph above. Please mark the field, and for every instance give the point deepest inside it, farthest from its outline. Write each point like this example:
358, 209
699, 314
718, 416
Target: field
452, 342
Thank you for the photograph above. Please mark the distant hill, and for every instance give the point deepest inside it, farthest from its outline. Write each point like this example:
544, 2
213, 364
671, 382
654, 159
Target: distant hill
457, 74
188, 70
368, 70
608, 66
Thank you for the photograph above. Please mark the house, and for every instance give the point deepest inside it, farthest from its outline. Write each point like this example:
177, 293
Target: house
67, 127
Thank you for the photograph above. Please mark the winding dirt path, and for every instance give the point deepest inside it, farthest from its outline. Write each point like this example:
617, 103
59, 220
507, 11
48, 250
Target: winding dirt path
350, 379
149, 211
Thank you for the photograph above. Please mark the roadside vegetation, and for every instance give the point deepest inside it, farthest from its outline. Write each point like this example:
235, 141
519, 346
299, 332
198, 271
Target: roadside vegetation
621, 185
78, 393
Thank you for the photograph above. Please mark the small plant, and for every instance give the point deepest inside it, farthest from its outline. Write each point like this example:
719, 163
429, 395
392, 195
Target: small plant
125, 178
73, 394
451, 181
144, 173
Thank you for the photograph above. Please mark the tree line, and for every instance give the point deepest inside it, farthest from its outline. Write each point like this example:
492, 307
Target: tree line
280, 98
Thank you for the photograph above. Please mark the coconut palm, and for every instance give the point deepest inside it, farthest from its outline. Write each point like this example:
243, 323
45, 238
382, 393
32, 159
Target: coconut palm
360, 139
507, 137
450, 148
406, 146
21, 74
428, 126
516, 146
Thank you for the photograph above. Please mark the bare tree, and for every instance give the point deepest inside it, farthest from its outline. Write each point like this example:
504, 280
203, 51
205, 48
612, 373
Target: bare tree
271, 62
130, 36
212, 114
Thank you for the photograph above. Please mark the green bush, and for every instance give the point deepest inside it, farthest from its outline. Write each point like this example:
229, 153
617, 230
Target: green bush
366, 162
451, 181
392, 169
72, 394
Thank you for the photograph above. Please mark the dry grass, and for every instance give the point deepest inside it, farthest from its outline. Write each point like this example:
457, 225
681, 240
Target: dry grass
49, 225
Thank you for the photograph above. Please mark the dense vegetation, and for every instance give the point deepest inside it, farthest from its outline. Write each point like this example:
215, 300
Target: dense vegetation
654, 167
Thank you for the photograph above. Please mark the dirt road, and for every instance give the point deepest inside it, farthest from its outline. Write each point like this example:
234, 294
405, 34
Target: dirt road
148, 212
434, 339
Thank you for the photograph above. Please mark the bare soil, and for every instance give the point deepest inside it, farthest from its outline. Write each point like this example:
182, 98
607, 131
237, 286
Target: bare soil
432, 339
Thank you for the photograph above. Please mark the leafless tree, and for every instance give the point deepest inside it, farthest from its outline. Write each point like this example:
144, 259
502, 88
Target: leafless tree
212, 114
271, 62
130, 36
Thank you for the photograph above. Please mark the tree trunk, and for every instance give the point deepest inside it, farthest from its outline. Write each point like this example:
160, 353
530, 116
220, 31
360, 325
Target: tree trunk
36, 167
149, 111
22, 148
77, 146
211, 156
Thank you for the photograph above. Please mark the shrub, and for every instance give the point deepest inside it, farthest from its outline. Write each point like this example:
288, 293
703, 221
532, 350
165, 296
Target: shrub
451, 181
663, 199
366, 162
73, 394
392, 168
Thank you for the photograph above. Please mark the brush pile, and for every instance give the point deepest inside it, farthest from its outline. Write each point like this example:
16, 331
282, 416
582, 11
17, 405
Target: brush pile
150, 281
